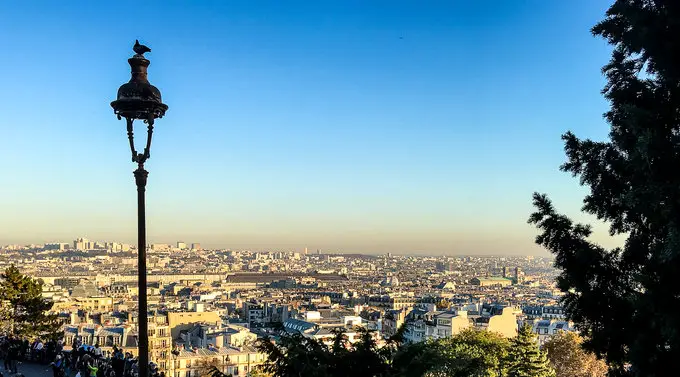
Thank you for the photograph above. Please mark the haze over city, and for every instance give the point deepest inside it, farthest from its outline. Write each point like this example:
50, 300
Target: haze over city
356, 126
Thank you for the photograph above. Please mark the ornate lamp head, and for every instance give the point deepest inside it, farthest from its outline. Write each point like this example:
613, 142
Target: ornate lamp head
138, 99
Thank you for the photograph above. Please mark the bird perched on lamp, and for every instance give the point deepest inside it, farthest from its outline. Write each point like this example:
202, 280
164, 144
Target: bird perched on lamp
140, 49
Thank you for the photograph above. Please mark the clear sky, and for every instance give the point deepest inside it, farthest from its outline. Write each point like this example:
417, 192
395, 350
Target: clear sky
349, 126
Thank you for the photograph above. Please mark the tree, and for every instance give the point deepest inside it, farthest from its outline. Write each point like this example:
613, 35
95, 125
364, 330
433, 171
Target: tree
570, 359
24, 310
254, 372
525, 359
297, 355
208, 366
470, 353
624, 300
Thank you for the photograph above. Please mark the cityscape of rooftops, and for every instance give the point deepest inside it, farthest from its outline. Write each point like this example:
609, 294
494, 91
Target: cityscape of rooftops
341, 188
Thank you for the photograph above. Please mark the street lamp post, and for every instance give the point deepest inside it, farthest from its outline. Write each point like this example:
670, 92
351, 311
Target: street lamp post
138, 99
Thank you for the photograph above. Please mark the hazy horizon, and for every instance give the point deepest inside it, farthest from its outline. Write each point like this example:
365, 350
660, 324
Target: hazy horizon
351, 126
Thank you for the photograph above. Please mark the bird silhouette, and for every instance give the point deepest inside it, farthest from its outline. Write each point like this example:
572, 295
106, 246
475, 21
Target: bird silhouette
139, 48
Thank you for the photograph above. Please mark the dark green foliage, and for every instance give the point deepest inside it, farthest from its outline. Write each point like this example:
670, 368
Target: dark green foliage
525, 359
296, 355
470, 353
626, 300
23, 309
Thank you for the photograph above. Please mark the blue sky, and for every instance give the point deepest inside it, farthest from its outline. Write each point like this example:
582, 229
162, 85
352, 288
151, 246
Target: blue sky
350, 126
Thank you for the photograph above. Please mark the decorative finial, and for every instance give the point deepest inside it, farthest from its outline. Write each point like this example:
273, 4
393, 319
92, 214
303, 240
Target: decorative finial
140, 49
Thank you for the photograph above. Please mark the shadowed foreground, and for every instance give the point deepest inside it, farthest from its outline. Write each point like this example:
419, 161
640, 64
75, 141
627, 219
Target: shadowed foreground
30, 370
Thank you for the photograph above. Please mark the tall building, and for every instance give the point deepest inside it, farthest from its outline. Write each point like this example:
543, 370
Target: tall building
445, 266
81, 244
518, 274
195, 246
181, 245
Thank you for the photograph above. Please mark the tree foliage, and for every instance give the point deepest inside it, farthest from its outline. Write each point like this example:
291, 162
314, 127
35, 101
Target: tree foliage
470, 353
297, 355
624, 300
24, 310
525, 359
208, 366
569, 359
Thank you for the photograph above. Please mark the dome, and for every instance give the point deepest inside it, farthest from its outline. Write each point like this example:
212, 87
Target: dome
85, 289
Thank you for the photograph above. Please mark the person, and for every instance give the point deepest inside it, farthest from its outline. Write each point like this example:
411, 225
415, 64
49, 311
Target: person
118, 363
13, 355
134, 369
83, 366
58, 366
4, 351
68, 364
98, 354
92, 369
38, 350
24, 351
128, 363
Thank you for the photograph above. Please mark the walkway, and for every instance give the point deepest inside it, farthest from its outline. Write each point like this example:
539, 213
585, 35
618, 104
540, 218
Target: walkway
30, 370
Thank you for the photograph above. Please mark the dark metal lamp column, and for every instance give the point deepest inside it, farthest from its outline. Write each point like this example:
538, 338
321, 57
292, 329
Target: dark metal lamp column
138, 99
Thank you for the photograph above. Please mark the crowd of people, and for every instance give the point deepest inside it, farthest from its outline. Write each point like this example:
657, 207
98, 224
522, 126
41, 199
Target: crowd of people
14, 351
80, 361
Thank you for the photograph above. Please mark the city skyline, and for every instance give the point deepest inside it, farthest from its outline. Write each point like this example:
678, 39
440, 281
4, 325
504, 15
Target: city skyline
83, 243
382, 127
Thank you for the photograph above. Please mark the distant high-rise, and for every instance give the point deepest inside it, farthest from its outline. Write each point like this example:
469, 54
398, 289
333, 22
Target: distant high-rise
181, 245
81, 244
445, 266
518, 274
505, 272
195, 246
305, 251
